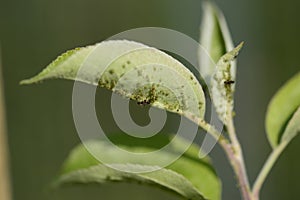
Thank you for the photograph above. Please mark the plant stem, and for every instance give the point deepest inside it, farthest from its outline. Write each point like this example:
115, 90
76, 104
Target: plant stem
267, 168
237, 161
5, 193
234, 154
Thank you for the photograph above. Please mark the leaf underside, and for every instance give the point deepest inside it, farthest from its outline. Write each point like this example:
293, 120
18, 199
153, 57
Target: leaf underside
204, 183
163, 178
292, 129
133, 70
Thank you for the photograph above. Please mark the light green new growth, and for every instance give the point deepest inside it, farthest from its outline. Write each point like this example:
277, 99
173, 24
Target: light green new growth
222, 85
281, 108
215, 40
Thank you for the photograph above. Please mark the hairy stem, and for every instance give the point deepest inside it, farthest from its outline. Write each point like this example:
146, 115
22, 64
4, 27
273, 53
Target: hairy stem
237, 161
267, 168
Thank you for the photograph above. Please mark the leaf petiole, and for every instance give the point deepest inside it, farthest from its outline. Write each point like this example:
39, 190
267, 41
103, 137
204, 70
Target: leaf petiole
267, 168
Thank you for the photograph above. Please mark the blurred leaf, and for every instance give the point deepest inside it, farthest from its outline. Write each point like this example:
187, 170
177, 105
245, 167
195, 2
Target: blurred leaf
215, 40
163, 178
222, 84
5, 190
198, 171
133, 70
293, 127
281, 108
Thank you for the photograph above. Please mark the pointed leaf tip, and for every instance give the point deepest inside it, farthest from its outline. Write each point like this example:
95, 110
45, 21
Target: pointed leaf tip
215, 39
131, 65
223, 84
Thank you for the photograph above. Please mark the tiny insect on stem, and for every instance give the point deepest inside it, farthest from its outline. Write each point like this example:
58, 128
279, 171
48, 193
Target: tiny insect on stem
143, 103
228, 82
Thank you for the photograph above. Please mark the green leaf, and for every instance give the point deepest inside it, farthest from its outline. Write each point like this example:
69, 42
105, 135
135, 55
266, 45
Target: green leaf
222, 85
215, 40
132, 70
293, 128
163, 178
197, 171
281, 108
67, 65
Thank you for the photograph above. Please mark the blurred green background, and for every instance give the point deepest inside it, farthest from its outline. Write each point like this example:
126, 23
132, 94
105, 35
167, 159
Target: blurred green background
40, 125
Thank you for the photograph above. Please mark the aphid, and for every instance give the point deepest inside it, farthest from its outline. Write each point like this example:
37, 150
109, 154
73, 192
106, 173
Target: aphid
228, 82
143, 103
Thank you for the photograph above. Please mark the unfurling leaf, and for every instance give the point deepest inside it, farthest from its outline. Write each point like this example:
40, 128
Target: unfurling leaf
281, 108
222, 85
215, 40
133, 70
205, 182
